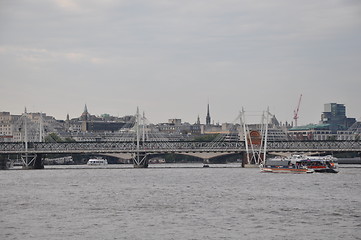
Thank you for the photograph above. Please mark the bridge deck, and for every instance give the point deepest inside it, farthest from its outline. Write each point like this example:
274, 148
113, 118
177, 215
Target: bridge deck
177, 147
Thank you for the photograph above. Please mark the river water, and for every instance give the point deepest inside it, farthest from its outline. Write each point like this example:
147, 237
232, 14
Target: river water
182, 201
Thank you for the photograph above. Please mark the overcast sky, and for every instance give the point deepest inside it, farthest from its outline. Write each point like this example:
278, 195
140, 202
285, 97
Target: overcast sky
172, 57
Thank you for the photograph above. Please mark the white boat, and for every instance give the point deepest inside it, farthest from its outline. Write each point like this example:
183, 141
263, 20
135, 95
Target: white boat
295, 163
284, 166
97, 161
326, 164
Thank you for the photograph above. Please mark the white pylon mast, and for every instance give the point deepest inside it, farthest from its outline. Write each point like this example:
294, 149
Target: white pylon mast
138, 135
143, 127
26, 131
243, 122
266, 137
261, 146
41, 130
254, 148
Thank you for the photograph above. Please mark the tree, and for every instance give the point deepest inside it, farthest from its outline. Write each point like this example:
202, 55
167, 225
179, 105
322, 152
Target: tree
206, 138
68, 139
53, 137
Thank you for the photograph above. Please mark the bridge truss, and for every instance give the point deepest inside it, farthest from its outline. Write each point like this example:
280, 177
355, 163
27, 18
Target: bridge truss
175, 147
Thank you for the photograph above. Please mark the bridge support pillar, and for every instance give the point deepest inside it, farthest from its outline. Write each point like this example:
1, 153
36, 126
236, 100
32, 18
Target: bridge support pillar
34, 161
140, 160
205, 162
243, 158
3, 163
39, 162
249, 161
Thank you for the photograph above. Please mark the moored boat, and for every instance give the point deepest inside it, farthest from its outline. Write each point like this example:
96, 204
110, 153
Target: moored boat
97, 161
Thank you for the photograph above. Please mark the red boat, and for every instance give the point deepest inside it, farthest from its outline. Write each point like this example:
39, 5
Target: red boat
284, 166
326, 164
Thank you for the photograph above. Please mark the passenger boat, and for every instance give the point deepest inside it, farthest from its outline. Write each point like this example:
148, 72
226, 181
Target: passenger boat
284, 166
326, 164
97, 161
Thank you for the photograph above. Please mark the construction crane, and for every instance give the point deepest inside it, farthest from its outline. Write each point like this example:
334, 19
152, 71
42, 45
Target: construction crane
295, 112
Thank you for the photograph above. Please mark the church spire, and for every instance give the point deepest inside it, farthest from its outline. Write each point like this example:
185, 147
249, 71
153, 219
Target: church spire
85, 114
85, 109
208, 118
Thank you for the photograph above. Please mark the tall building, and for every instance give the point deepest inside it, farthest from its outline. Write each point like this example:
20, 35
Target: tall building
208, 117
335, 115
333, 112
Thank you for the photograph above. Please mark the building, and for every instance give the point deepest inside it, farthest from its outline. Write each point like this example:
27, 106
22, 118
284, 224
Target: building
6, 129
30, 126
335, 115
91, 123
311, 132
334, 125
322, 132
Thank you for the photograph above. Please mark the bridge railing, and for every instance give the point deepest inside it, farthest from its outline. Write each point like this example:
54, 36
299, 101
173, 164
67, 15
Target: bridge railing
176, 146
94, 147
304, 146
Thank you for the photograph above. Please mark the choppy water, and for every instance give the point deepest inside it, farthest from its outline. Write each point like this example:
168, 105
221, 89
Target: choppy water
178, 203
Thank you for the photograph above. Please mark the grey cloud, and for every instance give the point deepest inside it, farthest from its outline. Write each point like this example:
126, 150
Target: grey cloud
180, 53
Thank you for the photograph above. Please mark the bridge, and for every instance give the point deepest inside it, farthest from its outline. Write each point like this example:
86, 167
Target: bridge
176, 147
203, 149
252, 144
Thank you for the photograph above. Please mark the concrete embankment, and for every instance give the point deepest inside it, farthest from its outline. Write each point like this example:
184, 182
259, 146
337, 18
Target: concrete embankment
349, 160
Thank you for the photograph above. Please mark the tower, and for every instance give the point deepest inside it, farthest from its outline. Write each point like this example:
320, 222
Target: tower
85, 114
208, 118
67, 122
84, 118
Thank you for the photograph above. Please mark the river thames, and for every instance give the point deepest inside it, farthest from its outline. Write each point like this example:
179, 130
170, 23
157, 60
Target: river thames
178, 201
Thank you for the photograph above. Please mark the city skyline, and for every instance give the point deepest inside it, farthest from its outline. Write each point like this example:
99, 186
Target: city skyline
252, 117
171, 58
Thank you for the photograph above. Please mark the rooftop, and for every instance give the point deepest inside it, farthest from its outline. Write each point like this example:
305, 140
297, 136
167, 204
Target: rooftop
311, 127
